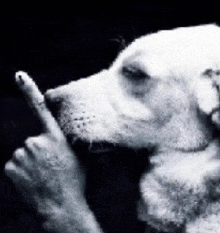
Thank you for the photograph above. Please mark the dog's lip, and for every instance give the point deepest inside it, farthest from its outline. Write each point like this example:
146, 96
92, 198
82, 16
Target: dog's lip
95, 147
109, 148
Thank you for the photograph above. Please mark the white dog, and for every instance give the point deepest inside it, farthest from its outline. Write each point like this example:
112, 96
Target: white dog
162, 92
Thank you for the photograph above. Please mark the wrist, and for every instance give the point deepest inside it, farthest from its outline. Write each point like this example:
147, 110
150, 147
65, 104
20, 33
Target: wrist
74, 216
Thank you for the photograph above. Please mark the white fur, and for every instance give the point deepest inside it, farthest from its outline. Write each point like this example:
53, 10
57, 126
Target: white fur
170, 110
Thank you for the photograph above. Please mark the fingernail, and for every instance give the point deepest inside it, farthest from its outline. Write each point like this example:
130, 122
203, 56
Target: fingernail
20, 80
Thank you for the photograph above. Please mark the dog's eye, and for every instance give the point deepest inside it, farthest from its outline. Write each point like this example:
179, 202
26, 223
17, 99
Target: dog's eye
133, 72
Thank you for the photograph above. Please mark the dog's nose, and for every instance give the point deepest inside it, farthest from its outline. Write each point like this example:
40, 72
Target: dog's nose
50, 95
53, 101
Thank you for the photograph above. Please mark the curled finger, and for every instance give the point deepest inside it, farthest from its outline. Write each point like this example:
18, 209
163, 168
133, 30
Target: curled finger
19, 156
16, 173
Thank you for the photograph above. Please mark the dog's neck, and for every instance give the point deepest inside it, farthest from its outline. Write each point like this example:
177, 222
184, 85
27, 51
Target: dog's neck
165, 154
177, 177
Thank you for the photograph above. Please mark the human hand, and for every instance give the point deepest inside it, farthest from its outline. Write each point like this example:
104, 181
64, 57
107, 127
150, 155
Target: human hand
46, 170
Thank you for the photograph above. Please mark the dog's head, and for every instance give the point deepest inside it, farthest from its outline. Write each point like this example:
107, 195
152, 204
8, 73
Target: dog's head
161, 92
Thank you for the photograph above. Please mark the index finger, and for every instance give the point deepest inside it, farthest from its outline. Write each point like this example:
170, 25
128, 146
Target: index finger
35, 100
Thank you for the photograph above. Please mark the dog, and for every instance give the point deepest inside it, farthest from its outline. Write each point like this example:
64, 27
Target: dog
160, 94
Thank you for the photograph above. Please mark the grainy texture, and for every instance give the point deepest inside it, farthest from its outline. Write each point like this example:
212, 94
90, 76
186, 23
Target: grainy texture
54, 43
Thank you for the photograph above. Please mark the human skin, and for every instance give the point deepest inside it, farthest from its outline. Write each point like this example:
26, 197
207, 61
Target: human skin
47, 172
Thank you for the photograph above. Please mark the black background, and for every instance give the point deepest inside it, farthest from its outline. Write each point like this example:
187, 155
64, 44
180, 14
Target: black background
59, 42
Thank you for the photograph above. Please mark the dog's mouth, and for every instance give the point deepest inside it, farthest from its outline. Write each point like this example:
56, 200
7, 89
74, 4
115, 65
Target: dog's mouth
100, 147
109, 160
91, 151
95, 147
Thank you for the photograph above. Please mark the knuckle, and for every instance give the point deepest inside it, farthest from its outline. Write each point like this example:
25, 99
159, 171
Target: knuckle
19, 154
52, 136
58, 137
40, 104
30, 142
9, 168
43, 140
